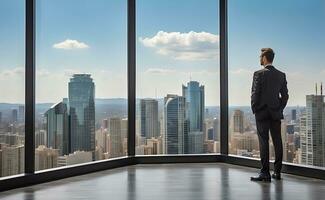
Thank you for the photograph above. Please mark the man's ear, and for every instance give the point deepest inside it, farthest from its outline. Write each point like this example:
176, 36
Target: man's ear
264, 60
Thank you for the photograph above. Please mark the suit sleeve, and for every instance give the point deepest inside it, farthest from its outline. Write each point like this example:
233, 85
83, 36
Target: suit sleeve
284, 93
256, 91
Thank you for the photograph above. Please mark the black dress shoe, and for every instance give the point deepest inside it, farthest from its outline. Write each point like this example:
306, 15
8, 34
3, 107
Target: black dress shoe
276, 176
262, 177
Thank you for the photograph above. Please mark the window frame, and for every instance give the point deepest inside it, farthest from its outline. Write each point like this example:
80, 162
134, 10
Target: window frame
31, 177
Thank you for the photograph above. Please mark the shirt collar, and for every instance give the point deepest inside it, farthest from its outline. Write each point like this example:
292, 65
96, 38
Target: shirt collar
268, 66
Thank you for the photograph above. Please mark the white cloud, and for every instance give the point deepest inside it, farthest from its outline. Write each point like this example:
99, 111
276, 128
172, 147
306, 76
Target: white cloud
7, 73
42, 72
70, 44
241, 71
70, 72
184, 46
203, 73
159, 71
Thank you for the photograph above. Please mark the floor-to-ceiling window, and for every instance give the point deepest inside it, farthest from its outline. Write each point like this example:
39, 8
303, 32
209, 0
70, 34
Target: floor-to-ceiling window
12, 87
177, 77
295, 30
81, 81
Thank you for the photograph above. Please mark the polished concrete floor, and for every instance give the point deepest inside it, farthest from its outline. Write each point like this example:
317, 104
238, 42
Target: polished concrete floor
172, 181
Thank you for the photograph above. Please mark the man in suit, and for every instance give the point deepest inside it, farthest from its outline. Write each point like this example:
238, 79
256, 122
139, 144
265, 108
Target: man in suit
269, 97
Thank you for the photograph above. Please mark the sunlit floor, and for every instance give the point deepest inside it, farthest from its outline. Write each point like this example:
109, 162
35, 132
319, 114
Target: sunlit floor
172, 181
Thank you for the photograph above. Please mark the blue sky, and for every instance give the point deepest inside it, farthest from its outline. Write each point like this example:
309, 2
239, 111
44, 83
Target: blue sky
295, 29
176, 41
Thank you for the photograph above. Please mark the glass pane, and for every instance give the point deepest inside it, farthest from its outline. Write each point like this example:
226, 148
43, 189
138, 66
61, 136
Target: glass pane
12, 87
295, 31
177, 77
81, 86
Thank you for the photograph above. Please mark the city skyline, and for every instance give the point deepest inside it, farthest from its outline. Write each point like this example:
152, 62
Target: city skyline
181, 130
65, 46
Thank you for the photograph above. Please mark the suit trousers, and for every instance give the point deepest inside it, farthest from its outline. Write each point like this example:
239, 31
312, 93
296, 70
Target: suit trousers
265, 126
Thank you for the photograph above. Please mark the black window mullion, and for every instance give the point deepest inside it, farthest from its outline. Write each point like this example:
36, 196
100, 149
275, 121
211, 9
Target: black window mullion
223, 77
131, 60
30, 86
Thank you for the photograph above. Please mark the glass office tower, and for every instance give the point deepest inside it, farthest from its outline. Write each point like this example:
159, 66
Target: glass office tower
149, 118
57, 119
194, 97
176, 128
82, 112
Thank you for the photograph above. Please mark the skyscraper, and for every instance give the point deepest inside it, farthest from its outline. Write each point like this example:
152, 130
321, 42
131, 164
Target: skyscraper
82, 112
105, 123
14, 116
216, 129
21, 114
149, 118
210, 134
58, 136
195, 142
294, 114
116, 146
194, 97
175, 125
124, 128
312, 131
238, 121
303, 139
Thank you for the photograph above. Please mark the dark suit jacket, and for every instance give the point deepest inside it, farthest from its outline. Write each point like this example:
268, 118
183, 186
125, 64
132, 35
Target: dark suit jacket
269, 93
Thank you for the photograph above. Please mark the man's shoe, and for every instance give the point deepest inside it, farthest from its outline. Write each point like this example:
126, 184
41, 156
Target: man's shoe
262, 177
276, 176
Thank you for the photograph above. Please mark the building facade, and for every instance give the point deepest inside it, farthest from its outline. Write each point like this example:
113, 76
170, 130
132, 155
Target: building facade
82, 112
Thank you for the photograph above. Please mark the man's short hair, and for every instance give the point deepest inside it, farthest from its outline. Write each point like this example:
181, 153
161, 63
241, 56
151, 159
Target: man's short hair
268, 53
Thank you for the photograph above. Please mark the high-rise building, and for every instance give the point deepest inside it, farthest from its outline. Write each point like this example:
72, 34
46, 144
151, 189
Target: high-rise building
46, 158
238, 121
290, 129
124, 128
116, 146
195, 142
304, 158
312, 131
0, 118
58, 136
10, 139
101, 137
14, 116
105, 124
40, 138
194, 97
155, 144
284, 140
294, 114
216, 129
149, 118
176, 129
21, 114
210, 134
12, 159
125, 146
82, 112
244, 143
